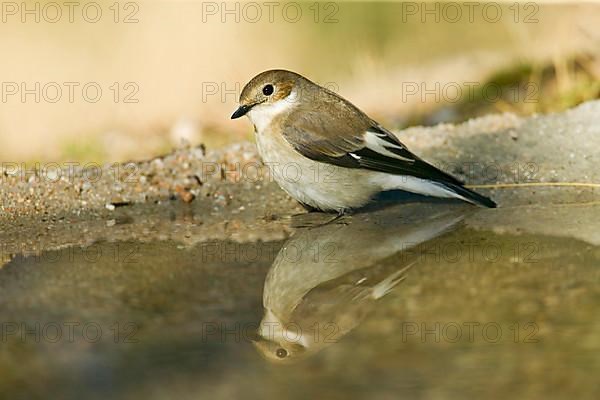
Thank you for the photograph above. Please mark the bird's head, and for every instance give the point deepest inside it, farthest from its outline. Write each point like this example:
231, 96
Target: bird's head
280, 351
278, 342
271, 93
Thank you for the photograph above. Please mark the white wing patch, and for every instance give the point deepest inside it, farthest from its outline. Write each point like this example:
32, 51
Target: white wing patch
374, 142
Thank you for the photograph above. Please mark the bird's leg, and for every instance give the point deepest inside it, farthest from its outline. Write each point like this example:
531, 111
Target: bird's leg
315, 219
341, 213
309, 219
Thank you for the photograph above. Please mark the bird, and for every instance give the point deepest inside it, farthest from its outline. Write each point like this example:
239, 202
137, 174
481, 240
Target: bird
328, 154
322, 285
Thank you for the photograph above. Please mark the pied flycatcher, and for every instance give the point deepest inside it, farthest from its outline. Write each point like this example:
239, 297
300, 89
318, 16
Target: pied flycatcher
329, 155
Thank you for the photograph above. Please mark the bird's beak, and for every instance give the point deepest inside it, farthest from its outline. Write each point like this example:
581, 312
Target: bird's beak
241, 111
244, 108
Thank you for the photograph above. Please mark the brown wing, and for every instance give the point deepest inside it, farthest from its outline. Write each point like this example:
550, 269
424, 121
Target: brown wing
340, 136
318, 136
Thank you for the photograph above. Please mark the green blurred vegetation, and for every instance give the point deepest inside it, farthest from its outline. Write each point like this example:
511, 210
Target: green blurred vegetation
525, 89
90, 149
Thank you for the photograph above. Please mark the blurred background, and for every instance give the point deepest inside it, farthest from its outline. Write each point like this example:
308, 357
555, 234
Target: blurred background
115, 81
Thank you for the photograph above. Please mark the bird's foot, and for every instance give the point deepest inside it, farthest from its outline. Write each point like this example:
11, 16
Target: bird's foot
317, 219
338, 219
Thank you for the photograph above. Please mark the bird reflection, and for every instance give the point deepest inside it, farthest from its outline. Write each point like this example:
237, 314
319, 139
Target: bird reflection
327, 278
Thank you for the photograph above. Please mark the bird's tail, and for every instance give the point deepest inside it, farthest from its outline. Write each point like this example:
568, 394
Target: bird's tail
386, 285
465, 194
441, 186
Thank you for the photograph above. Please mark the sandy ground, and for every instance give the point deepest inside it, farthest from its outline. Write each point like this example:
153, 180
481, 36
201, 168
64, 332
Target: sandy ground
192, 194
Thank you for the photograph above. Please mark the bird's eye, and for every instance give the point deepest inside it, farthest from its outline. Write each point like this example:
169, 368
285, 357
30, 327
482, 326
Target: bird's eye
281, 353
268, 90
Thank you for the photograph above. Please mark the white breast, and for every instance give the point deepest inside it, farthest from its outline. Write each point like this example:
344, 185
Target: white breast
263, 114
320, 185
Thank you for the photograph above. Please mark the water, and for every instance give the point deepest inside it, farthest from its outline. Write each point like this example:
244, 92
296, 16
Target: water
414, 301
